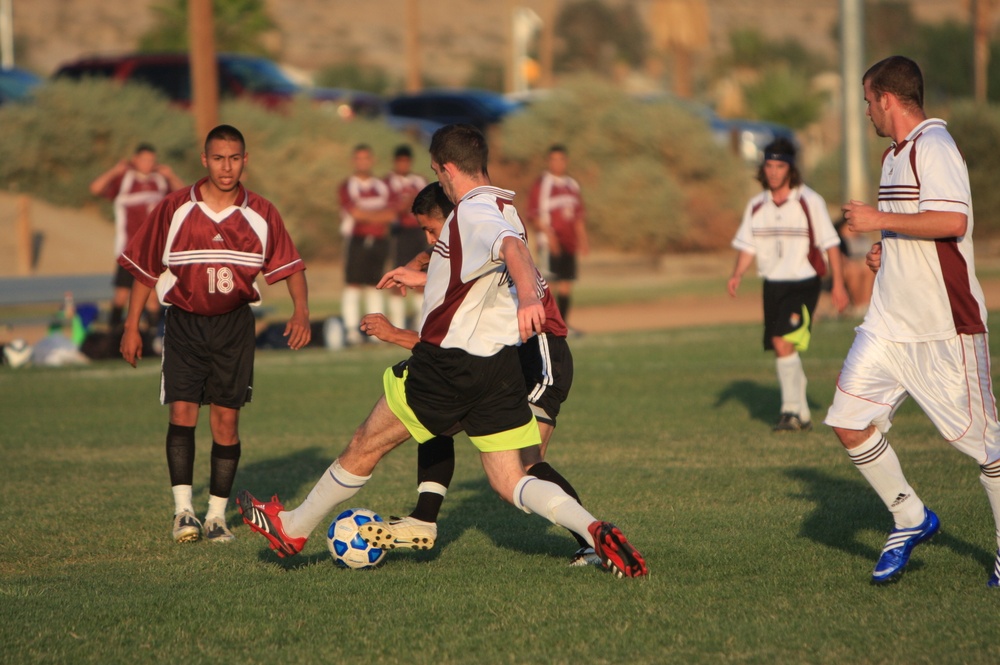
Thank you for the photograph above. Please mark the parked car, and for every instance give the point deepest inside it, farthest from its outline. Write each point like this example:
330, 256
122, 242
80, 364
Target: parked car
240, 76
17, 84
425, 112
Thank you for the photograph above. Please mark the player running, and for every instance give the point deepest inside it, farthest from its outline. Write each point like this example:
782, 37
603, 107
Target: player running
460, 371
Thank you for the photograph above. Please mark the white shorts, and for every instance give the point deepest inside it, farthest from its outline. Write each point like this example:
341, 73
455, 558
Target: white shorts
949, 379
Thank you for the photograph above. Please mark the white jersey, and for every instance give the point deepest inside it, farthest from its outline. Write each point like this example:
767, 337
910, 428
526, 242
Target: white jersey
778, 235
468, 302
926, 289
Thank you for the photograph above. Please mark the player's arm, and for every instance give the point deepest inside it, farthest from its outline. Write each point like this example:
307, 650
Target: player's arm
173, 180
376, 325
838, 290
743, 263
420, 261
522, 272
931, 224
298, 330
403, 277
380, 216
100, 183
583, 240
873, 259
131, 344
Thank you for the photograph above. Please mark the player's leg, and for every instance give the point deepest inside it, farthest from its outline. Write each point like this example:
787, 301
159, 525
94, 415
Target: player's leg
867, 397
180, 465
225, 460
788, 310
122, 283
350, 299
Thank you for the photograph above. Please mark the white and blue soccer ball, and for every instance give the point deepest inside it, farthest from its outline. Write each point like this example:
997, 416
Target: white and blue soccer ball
348, 548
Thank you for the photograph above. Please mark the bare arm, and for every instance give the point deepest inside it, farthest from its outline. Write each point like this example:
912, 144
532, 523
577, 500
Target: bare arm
863, 218
172, 179
743, 263
298, 330
522, 271
383, 216
376, 325
131, 344
838, 290
101, 181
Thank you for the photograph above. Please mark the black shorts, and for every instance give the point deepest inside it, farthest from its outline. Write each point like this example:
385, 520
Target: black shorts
562, 267
366, 260
547, 365
408, 243
783, 303
208, 359
448, 386
123, 279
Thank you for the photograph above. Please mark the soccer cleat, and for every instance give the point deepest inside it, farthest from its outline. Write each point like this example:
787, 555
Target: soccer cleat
615, 552
790, 422
404, 532
187, 528
900, 543
994, 580
216, 530
262, 517
585, 556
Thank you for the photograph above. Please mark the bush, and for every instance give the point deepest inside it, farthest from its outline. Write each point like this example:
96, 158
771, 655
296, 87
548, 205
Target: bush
976, 130
652, 177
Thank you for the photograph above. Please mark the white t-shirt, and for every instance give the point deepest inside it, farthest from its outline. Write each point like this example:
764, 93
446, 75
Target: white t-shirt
778, 235
468, 303
925, 289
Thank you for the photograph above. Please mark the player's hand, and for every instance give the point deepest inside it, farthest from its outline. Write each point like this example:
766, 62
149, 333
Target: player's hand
165, 170
298, 331
733, 284
861, 217
376, 325
403, 278
873, 259
131, 346
530, 317
839, 296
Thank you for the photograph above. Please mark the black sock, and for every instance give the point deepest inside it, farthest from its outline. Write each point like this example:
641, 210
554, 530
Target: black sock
225, 459
543, 471
562, 302
180, 454
435, 464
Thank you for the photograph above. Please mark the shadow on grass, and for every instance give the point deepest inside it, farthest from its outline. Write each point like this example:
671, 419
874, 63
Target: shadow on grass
762, 402
846, 507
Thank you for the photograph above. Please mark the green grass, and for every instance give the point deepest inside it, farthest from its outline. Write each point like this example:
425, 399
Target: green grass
759, 546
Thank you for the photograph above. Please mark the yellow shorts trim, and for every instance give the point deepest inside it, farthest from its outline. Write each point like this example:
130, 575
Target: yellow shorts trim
512, 439
802, 335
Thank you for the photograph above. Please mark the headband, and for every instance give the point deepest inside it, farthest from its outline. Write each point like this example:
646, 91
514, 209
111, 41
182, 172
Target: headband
780, 156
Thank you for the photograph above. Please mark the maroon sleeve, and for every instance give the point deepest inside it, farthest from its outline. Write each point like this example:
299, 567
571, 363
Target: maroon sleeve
345, 198
536, 190
143, 255
282, 258
110, 190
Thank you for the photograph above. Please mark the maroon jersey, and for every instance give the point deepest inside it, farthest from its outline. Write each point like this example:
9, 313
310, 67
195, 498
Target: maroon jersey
134, 196
404, 188
370, 194
205, 262
557, 203
554, 323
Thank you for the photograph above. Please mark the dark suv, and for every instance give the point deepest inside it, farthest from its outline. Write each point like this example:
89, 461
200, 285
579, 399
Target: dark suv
240, 75
424, 112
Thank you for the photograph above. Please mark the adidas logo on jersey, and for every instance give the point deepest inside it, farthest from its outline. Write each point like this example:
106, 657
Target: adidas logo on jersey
218, 238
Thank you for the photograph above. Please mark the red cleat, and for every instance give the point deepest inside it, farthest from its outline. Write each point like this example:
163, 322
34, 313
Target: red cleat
262, 517
616, 553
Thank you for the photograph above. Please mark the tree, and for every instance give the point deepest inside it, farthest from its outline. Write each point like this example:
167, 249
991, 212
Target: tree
240, 26
596, 38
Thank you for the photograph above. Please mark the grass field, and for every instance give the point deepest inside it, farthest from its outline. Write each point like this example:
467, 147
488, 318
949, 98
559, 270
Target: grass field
760, 546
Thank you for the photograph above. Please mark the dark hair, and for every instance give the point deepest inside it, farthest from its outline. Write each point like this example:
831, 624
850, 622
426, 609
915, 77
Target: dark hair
225, 133
402, 151
558, 147
900, 76
362, 147
783, 149
461, 145
144, 147
431, 200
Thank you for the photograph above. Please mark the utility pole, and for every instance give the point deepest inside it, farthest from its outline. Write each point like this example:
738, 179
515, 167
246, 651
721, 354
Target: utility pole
855, 172
546, 47
204, 67
413, 78
6, 34
981, 16
509, 76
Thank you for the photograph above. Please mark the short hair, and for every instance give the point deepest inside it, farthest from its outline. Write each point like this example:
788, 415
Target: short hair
900, 76
462, 145
145, 147
784, 150
431, 200
225, 133
402, 151
362, 147
558, 147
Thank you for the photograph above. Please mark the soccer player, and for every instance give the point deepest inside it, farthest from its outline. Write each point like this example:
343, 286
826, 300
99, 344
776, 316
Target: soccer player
366, 213
555, 208
202, 248
135, 185
547, 365
408, 237
781, 226
460, 373
925, 332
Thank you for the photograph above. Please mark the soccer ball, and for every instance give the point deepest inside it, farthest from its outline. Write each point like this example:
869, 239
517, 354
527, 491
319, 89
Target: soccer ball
17, 353
348, 548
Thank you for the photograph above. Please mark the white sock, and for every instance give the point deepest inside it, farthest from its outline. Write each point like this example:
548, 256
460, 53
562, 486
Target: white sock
877, 462
397, 311
533, 495
374, 302
182, 498
990, 480
216, 507
792, 380
350, 306
334, 487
